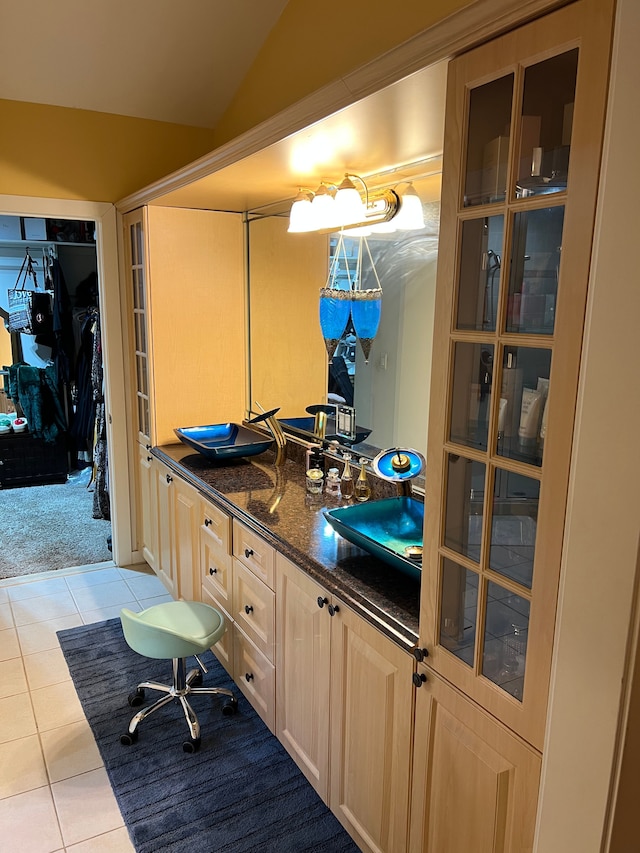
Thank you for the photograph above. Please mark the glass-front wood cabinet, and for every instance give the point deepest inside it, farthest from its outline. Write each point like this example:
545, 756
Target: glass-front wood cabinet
522, 149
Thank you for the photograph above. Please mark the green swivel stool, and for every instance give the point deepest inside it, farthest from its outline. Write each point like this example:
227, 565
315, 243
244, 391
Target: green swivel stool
175, 630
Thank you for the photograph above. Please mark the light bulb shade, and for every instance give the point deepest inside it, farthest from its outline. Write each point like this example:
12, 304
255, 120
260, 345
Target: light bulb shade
410, 216
349, 206
323, 208
366, 310
334, 316
301, 215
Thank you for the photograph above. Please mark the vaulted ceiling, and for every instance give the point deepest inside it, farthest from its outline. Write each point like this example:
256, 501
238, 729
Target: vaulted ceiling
153, 59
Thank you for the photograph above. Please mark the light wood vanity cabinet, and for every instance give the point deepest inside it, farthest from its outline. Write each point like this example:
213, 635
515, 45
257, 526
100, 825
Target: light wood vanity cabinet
474, 782
344, 709
176, 519
216, 572
184, 304
148, 541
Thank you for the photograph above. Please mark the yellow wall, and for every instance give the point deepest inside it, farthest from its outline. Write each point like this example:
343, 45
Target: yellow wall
56, 152
313, 44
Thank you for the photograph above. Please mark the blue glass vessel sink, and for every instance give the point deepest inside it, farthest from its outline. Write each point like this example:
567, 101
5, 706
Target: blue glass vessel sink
305, 426
390, 529
224, 441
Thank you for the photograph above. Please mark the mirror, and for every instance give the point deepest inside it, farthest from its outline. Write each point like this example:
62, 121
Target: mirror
287, 355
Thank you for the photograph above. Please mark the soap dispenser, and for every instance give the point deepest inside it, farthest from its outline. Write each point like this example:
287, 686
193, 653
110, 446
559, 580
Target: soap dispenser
362, 487
346, 481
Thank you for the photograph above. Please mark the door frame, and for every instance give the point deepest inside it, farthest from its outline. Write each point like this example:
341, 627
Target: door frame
104, 215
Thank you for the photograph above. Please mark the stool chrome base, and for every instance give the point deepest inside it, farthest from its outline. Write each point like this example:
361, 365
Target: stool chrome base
179, 690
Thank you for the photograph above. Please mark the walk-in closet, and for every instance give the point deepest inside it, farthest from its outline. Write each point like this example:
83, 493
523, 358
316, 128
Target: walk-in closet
54, 480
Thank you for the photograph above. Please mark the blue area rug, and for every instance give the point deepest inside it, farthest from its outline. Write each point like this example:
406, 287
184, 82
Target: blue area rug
241, 792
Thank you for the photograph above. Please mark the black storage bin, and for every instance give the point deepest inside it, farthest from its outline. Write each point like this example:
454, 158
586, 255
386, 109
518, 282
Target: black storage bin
29, 461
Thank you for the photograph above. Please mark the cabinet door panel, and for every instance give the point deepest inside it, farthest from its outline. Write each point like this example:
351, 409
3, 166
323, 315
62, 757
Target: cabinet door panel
186, 507
165, 563
223, 649
371, 721
475, 784
303, 667
147, 529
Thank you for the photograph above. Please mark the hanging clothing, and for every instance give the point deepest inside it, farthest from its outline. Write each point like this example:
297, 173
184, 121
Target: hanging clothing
101, 507
36, 391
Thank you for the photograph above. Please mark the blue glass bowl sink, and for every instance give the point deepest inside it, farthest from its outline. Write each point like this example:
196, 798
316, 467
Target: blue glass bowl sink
305, 425
224, 441
389, 529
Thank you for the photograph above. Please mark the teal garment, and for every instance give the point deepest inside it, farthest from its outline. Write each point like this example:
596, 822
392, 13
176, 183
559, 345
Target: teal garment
36, 392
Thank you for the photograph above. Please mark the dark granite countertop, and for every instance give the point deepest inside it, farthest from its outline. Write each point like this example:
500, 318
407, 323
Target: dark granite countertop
272, 500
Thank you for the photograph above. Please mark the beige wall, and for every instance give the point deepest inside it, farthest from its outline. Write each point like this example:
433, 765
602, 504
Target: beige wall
314, 44
55, 152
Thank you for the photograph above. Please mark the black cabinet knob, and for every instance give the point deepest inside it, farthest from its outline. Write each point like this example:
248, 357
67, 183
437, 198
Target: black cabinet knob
248, 676
322, 601
248, 552
248, 609
420, 654
418, 679
212, 570
333, 609
169, 478
207, 522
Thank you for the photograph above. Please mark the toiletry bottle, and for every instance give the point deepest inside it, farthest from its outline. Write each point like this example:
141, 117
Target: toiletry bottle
332, 487
346, 481
362, 488
315, 457
315, 479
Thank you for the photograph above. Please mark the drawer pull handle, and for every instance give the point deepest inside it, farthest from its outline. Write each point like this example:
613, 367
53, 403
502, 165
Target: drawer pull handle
207, 522
169, 478
149, 458
418, 679
212, 570
248, 609
322, 601
248, 676
248, 552
333, 609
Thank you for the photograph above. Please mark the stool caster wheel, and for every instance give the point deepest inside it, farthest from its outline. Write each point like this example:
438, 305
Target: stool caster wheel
230, 707
129, 739
136, 698
192, 745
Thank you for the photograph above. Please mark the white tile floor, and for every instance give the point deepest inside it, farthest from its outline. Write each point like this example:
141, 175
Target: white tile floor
54, 791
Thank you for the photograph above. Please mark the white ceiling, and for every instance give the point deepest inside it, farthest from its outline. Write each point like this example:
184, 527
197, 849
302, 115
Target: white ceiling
171, 61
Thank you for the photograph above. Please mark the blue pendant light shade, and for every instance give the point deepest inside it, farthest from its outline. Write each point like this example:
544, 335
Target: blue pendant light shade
334, 315
366, 310
366, 305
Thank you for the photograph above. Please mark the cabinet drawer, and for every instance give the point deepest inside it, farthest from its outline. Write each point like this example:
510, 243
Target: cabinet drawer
254, 553
255, 676
223, 649
254, 609
216, 571
215, 525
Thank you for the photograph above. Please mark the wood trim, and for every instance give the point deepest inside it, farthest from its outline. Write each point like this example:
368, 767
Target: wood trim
481, 20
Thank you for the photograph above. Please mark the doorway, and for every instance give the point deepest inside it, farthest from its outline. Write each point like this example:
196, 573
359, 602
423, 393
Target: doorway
53, 447
103, 216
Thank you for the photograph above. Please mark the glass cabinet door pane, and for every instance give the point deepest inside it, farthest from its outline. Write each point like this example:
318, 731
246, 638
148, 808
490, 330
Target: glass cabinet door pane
464, 506
471, 394
480, 259
488, 142
524, 387
535, 263
505, 639
546, 123
458, 614
514, 522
